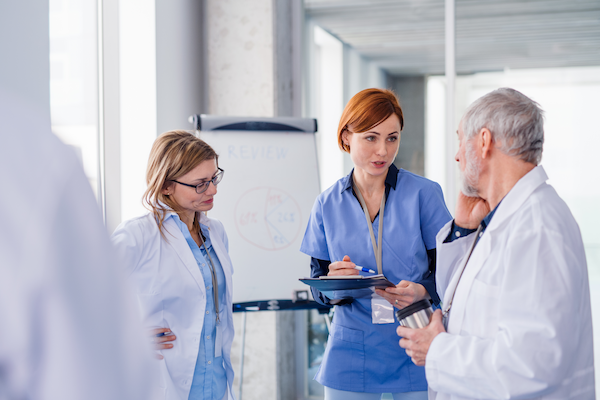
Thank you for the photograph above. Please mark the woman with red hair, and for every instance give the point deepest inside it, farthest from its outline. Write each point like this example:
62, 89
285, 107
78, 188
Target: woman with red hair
385, 219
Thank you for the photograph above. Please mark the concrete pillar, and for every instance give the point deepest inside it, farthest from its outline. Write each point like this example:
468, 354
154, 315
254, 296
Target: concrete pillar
179, 63
252, 52
411, 92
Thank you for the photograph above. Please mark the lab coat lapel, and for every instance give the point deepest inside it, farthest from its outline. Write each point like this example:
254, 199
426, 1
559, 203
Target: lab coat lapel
177, 241
457, 313
224, 259
510, 204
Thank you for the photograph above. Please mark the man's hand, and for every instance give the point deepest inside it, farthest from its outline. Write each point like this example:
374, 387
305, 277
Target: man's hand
417, 341
470, 211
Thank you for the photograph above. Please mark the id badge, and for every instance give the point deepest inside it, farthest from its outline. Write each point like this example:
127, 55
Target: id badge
382, 312
218, 341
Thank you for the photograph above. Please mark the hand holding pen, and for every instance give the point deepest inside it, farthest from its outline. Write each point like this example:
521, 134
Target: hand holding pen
160, 339
346, 267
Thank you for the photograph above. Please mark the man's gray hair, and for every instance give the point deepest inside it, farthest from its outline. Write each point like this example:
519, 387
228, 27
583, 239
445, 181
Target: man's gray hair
515, 121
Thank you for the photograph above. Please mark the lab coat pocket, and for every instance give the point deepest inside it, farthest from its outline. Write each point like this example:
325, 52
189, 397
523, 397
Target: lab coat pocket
151, 310
345, 357
482, 315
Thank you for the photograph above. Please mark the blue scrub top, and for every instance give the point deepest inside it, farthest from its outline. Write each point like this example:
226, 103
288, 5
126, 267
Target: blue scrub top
210, 379
362, 356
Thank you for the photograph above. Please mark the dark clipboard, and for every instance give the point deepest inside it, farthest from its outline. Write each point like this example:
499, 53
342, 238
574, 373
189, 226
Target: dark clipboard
330, 283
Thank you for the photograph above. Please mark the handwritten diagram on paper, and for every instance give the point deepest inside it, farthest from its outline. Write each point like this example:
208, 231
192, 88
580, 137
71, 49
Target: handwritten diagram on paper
268, 218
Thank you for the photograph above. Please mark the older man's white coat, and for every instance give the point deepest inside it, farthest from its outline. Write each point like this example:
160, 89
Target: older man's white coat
520, 325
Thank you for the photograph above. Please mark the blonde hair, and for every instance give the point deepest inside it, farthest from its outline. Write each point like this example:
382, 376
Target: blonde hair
173, 154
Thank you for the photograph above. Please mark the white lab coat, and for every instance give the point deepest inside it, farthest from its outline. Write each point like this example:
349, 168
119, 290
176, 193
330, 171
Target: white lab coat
68, 324
521, 324
172, 294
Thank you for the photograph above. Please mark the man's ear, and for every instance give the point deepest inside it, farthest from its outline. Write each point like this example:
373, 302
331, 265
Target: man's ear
485, 142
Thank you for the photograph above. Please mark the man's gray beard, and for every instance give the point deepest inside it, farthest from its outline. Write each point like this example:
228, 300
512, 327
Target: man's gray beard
469, 178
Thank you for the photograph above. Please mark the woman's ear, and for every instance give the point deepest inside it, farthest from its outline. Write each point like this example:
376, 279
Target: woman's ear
167, 188
345, 139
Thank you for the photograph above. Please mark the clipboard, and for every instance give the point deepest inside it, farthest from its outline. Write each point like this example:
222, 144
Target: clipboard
350, 282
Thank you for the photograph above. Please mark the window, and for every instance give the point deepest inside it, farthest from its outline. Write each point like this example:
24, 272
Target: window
74, 80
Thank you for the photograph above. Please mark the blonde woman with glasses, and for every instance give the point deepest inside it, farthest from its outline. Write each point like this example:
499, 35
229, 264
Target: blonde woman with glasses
177, 259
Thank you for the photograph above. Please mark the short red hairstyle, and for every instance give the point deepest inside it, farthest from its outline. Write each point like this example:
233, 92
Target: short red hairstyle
367, 109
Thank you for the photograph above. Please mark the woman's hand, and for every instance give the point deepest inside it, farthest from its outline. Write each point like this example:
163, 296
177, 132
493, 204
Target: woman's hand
404, 294
161, 342
344, 267
470, 211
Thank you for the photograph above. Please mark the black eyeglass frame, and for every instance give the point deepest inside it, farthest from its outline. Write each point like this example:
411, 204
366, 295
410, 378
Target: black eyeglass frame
201, 188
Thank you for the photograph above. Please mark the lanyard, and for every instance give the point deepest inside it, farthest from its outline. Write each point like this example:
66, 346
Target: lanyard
376, 249
448, 306
214, 278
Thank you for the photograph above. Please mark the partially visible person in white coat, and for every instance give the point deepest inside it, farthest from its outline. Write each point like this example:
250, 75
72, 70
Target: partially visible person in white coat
68, 327
177, 259
518, 318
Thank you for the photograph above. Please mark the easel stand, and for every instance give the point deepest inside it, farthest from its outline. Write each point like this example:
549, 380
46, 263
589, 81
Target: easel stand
271, 305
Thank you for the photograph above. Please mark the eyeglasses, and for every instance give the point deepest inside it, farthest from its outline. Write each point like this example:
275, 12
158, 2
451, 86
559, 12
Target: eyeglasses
201, 188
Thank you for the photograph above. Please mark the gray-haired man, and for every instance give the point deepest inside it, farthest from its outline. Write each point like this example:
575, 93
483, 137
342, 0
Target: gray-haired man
515, 320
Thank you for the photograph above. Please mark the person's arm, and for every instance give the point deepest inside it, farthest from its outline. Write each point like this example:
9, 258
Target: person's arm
534, 338
428, 281
433, 216
319, 268
92, 339
128, 242
457, 232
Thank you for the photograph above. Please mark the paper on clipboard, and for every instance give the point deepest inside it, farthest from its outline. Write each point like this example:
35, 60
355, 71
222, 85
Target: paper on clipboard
348, 282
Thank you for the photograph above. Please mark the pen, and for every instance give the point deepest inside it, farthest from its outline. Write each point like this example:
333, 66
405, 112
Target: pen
363, 269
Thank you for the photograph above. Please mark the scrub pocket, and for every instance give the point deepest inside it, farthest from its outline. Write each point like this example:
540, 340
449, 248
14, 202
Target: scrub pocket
344, 361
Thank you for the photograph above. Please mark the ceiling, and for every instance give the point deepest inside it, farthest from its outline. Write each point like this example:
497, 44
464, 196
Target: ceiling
406, 37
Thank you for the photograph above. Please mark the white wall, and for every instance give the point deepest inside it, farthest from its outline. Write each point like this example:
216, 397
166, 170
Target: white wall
337, 72
138, 112
330, 97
